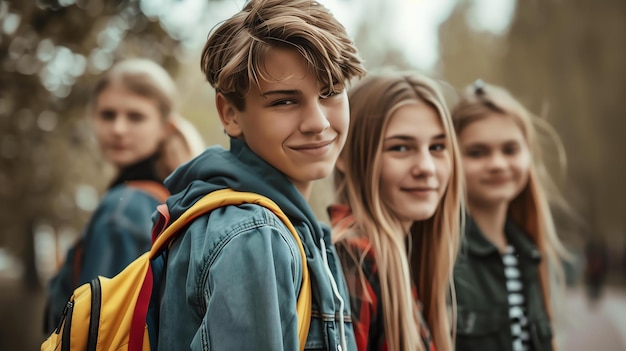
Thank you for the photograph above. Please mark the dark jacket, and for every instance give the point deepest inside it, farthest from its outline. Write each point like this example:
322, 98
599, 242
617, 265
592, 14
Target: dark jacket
233, 278
483, 312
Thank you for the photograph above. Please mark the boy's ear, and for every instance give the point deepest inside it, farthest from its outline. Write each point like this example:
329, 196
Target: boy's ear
229, 116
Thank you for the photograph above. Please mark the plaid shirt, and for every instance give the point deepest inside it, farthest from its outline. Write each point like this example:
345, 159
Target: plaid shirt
367, 316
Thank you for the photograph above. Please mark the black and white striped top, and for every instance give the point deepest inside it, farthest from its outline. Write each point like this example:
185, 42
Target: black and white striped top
517, 310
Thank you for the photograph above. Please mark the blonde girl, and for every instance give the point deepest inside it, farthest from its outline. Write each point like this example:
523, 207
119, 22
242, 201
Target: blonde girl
140, 134
396, 223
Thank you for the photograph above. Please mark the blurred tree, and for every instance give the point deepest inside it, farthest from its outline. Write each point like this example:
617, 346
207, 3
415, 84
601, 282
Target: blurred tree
569, 59
565, 61
372, 36
51, 52
466, 54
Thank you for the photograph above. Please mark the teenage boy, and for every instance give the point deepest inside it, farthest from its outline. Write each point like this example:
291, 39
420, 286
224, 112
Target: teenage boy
279, 69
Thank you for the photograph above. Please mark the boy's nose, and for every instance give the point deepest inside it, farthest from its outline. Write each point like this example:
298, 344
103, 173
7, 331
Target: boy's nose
314, 120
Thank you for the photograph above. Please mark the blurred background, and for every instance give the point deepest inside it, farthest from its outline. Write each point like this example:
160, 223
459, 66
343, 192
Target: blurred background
564, 60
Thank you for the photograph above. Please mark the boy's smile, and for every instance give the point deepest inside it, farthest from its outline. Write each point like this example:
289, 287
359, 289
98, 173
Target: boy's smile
315, 148
290, 120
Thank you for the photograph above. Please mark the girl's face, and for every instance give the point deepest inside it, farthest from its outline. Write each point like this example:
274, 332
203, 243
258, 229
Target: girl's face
496, 160
128, 127
416, 163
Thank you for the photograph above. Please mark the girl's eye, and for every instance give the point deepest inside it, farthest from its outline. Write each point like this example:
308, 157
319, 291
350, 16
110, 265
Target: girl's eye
438, 147
107, 115
511, 150
476, 153
135, 117
398, 148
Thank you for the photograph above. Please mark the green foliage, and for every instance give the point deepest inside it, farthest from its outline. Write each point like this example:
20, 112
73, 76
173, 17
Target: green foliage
51, 52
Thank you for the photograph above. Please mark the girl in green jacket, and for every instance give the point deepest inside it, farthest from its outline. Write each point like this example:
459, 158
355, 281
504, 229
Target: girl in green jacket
501, 276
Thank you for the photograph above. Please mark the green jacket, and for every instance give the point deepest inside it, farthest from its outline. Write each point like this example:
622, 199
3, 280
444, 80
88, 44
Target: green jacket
482, 299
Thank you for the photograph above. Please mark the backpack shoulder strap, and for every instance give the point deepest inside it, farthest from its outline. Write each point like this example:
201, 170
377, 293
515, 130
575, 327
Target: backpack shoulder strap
151, 187
226, 197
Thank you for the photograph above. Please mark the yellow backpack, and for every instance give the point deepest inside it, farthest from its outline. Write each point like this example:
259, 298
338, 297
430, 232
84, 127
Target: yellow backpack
111, 314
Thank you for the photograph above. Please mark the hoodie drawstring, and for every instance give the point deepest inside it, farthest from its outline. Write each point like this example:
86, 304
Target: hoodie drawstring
342, 330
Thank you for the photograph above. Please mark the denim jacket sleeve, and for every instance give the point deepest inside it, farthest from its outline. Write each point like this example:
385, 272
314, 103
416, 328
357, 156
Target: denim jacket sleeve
118, 232
249, 289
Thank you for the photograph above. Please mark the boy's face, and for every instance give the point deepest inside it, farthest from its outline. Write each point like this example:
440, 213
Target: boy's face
286, 121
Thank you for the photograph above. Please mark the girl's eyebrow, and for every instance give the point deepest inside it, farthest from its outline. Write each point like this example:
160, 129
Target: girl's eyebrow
484, 144
400, 137
410, 138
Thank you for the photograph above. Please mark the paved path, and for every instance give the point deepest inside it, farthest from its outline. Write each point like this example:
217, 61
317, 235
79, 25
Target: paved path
20, 317
593, 327
584, 327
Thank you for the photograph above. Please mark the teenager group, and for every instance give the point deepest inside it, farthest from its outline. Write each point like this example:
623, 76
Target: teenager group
441, 237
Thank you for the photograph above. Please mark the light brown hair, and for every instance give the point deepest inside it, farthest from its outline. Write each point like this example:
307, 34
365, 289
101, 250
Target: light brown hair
234, 55
433, 242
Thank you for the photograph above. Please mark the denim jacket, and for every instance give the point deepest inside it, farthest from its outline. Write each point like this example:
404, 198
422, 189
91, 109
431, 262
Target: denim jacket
233, 278
117, 233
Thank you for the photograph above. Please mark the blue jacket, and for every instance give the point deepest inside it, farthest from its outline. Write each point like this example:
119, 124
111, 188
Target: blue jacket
117, 233
233, 278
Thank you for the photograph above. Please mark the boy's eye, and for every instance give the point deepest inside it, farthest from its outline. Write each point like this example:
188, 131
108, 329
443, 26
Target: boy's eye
283, 102
329, 94
337, 90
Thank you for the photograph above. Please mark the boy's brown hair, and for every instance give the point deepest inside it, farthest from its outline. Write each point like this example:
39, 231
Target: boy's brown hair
234, 55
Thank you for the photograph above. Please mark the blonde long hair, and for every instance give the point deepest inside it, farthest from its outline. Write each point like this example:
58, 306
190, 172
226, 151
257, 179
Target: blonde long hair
433, 242
148, 79
530, 210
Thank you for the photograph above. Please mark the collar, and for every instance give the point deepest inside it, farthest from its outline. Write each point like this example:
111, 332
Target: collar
522, 242
478, 244
142, 170
339, 213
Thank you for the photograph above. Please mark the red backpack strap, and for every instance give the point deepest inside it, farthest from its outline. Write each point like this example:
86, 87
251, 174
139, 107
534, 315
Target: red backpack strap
162, 222
138, 323
136, 334
151, 187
